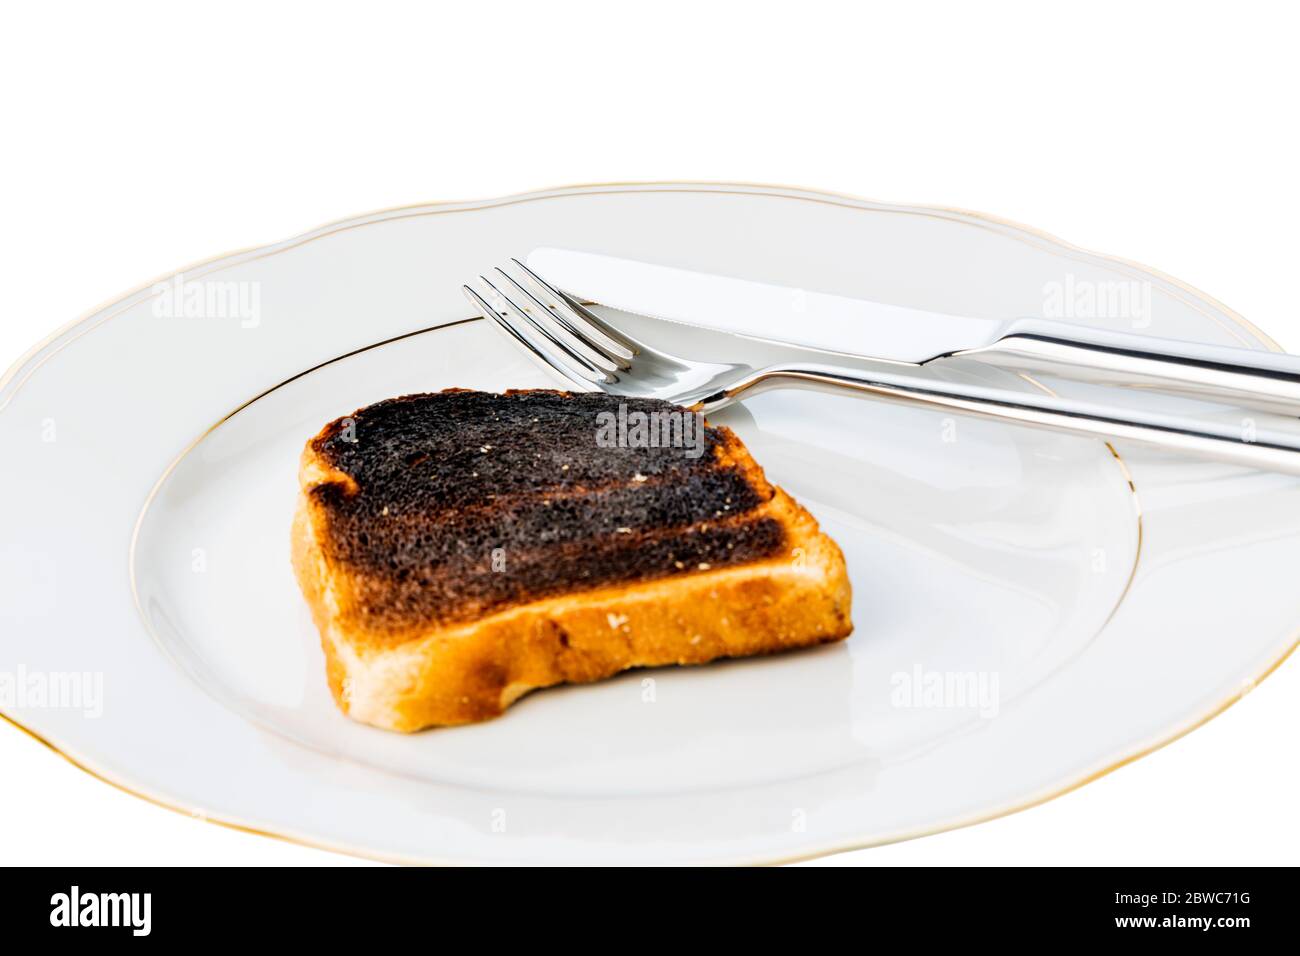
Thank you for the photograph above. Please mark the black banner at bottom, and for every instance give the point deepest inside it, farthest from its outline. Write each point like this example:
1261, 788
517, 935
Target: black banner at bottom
368, 905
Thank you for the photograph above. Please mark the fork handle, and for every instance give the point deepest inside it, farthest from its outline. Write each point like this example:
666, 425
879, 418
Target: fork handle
1244, 444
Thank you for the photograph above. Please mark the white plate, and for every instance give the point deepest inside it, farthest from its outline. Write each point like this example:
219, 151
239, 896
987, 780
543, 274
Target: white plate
1105, 603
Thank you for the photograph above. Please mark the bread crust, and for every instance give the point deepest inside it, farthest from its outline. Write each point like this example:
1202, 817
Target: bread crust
474, 671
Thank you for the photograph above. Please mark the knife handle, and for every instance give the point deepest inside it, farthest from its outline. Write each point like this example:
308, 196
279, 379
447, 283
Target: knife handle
1240, 443
1269, 381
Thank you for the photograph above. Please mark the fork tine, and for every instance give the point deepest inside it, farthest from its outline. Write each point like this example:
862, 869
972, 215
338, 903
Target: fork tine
556, 342
571, 336
566, 307
548, 340
540, 353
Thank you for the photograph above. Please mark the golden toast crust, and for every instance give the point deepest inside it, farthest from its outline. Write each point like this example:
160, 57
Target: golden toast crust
474, 671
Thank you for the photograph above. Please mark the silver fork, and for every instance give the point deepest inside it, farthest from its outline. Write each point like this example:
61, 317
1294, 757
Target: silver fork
586, 353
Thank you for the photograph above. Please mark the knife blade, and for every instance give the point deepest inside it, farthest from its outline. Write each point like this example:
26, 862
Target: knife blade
762, 310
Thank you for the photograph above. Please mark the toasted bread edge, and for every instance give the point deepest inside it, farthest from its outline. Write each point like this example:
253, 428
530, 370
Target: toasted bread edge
474, 671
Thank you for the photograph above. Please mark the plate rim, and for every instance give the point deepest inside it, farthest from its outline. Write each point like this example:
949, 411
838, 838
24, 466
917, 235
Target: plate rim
38, 354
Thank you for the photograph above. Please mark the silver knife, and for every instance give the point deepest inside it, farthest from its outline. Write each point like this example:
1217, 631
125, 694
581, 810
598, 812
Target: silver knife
880, 332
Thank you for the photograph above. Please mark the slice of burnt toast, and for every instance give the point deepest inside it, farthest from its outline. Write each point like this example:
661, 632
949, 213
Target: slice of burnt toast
460, 549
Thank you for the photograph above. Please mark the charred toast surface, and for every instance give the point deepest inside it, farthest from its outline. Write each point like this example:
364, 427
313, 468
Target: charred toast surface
450, 506
460, 548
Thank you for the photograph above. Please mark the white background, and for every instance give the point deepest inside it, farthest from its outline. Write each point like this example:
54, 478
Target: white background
137, 138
